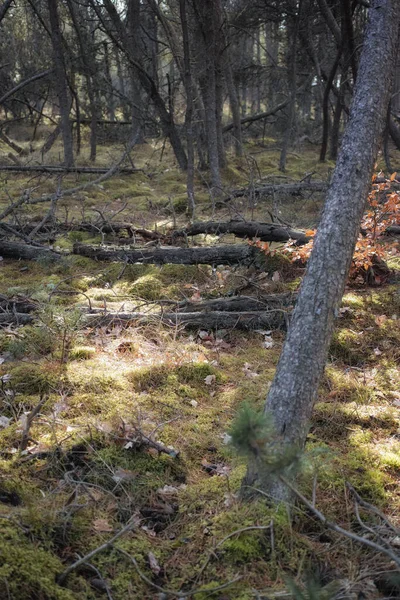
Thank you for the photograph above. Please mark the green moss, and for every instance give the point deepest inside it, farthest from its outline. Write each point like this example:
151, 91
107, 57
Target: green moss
147, 287
33, 379
33, 340
82, 353
346, 346
148, 378
184, 274
27, 571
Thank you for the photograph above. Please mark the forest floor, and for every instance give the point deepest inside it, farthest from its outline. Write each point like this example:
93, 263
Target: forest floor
87, 468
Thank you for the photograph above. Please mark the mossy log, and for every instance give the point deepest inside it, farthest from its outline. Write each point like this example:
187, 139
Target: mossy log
250, 320
26, 251
210, 255
267, 232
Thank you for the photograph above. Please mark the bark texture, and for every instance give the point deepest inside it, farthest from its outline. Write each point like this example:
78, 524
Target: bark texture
294, 389
214, 255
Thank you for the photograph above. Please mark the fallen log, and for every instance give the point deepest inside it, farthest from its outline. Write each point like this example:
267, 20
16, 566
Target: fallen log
210, 255
107, 227
51, 169
239, 304
17, 304
15, 318
250, 320
393, 230
25, 251
267, 232
289, 189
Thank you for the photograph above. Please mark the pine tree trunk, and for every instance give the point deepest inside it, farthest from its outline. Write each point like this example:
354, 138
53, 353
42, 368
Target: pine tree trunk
294, 389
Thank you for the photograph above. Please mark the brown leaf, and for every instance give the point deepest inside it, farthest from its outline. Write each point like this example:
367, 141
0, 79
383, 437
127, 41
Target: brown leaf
154, 566
102, 526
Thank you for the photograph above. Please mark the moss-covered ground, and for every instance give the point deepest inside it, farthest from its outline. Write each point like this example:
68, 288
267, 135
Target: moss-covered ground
87, 468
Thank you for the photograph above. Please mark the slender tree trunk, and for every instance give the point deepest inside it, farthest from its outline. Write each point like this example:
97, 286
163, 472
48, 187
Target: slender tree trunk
292, 35
189, 109
325, 106
294, 389
88, 58
60, 82
110, 96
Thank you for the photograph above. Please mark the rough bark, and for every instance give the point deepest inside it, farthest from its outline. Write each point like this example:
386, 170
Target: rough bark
4, 8
214, 255
267, 232
294, 389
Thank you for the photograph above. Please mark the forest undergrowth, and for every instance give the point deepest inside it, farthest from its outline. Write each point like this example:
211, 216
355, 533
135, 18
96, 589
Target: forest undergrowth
133, 422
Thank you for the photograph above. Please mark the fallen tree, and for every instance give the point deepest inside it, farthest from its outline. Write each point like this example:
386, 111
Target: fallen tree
212, 255
96, 227
289, 189
238, 303
250, 320
25, 251
57, 169
267, 232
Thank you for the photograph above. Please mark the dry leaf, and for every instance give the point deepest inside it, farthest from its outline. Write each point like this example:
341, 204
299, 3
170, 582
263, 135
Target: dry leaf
154, 566
102, 526
380, 320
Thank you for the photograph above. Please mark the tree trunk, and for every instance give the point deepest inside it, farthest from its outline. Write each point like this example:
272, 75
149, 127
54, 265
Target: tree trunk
188, 83
60, 81
294, 389
292, 33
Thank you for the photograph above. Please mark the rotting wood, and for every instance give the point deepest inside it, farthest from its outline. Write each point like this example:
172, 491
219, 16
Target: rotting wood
266, 232
229, 254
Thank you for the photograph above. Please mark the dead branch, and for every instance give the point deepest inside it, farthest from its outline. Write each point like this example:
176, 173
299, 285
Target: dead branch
29, 420
84, 559
24, 83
